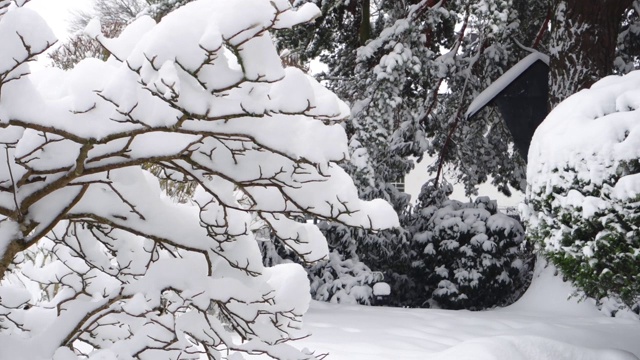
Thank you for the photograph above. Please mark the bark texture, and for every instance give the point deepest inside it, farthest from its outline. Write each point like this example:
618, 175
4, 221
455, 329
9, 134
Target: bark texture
583, 43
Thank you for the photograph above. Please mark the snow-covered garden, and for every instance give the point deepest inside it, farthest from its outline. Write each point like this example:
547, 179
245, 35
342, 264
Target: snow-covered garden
179, 187
543, 325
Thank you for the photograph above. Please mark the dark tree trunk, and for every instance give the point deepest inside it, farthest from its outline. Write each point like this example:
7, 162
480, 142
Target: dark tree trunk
365, 22
583, 43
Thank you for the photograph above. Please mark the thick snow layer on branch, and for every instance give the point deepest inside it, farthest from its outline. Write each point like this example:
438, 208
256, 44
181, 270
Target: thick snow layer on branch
122, 46
304, 13
23, 33
111, 262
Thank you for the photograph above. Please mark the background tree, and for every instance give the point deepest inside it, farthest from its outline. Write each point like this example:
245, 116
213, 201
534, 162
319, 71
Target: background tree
492, 36
399, 110
410, 81
584, 39
138, 275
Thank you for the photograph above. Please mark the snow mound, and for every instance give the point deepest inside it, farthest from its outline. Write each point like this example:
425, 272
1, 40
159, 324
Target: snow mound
527, 348
381, 289
549, 294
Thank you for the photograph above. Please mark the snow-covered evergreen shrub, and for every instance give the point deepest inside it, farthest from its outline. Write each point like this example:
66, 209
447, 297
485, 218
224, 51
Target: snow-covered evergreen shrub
343, 280
343, 277
473, 256
340, 277
583, 195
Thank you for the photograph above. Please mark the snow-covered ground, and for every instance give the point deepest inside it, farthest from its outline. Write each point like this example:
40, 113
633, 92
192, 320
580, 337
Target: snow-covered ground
543, 325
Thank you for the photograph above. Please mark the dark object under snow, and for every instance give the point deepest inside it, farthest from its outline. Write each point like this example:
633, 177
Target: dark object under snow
522, 96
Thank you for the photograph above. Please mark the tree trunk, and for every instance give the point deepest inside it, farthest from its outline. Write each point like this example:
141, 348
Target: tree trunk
583, 43
365, 22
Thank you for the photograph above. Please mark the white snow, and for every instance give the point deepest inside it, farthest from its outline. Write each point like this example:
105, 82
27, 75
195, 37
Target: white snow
304, 13
543, 325
628, 187
609, 134
18, 26
381, 289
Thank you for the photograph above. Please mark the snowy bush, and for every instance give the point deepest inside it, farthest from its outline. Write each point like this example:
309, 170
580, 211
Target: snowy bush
95, 261
472, 256
583, 194
339, 278
342, 277
344, 281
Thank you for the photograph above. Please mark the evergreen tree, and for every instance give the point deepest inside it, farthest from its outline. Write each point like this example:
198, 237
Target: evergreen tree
595, 246
489, 38
403, 68
583, 198
583, 40
394, 85
409, 72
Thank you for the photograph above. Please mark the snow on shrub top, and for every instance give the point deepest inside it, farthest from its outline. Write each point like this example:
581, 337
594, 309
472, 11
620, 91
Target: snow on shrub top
584, 186
591, 132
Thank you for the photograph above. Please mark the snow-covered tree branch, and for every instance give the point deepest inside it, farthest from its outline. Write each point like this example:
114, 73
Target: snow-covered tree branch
128, 272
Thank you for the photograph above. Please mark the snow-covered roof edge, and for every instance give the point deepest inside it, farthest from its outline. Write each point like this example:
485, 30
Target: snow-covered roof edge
503, 81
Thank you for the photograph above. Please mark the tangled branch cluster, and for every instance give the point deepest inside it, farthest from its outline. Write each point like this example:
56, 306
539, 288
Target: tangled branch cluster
95, 261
